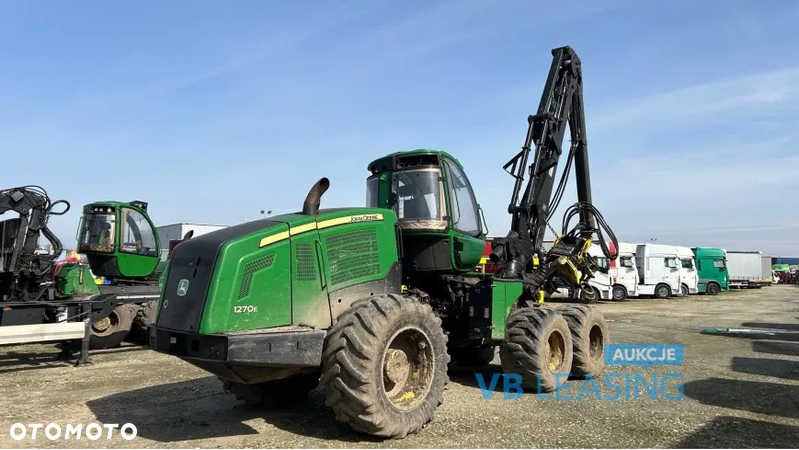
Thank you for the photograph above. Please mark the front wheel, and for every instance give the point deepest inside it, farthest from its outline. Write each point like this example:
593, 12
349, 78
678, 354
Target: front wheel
713, 289
662, 291
619, 293
384, 367
684, 290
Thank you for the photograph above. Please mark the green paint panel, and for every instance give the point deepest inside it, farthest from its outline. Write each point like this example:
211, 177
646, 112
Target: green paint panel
281, 283
75, 281
251, 286
505, 293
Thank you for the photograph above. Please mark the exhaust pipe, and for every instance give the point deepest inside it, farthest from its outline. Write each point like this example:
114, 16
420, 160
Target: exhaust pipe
310, 206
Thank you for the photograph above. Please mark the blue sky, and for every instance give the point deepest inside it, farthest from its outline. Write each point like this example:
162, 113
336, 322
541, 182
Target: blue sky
212, 110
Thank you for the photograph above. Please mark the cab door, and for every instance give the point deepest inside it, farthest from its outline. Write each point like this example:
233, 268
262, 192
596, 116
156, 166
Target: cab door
464, 218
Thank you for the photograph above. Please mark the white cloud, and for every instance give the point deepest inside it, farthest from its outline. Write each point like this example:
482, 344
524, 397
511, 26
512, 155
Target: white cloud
742, 98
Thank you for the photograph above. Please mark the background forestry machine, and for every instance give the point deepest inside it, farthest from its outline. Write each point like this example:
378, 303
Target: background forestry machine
41, 300
374, 302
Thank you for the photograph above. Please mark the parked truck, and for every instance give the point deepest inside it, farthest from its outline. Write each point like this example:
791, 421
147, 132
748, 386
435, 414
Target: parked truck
624, 273
711, 269
658, 270
748, 269
688, 276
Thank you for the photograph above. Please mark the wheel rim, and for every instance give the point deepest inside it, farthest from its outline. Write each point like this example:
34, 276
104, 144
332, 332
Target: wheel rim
596, 343
618, 294
407, 365
106, 324
663, 292
556, 348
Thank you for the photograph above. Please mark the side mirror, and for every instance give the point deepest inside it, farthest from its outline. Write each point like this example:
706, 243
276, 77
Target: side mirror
483, 224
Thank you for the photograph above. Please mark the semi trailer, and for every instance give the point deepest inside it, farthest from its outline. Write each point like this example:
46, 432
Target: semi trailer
748, 269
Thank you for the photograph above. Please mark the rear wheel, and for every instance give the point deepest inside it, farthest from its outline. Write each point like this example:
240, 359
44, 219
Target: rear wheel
111, 330
662, 291
713, 288
619, 293
590, 335
385, 366
538, 346
280, 393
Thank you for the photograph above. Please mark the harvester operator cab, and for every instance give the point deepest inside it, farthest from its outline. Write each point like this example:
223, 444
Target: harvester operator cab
439, 219
118, 239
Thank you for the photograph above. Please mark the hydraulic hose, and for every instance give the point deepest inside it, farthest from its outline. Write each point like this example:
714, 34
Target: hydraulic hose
602, 224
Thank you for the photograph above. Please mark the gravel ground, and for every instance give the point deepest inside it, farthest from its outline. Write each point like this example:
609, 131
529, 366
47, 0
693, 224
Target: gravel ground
739, 392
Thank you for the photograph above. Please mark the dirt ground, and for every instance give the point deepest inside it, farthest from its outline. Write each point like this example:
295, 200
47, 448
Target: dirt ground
738, 392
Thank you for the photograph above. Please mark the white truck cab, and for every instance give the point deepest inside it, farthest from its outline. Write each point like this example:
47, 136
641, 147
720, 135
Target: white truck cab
624, 273
688, 274
658, 270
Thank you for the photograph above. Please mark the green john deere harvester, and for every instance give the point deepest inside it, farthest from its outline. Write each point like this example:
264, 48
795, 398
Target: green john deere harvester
374, 302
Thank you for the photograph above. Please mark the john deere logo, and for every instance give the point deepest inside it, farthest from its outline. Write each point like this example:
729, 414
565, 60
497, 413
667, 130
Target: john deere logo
183, 287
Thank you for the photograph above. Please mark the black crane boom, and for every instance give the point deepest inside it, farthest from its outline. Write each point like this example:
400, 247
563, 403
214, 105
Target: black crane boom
561, 104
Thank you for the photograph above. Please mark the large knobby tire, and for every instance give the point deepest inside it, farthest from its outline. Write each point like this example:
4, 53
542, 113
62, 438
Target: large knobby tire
619, 293
538, 347
110, 331
662, 291
384, 367
712, 288
280, 393
590, 336
145, 316
472, 356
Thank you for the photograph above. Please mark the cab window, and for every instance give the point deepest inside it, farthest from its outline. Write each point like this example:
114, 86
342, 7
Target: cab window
418, 196
671, 263
137, 235
462, 201
627, 262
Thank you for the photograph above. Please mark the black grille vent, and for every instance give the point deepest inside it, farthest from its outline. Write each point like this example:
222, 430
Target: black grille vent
250, 269
306, 261
352, 255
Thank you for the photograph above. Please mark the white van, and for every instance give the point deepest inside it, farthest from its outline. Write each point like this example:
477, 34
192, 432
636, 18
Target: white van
688, 276
624, 273
658, 270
